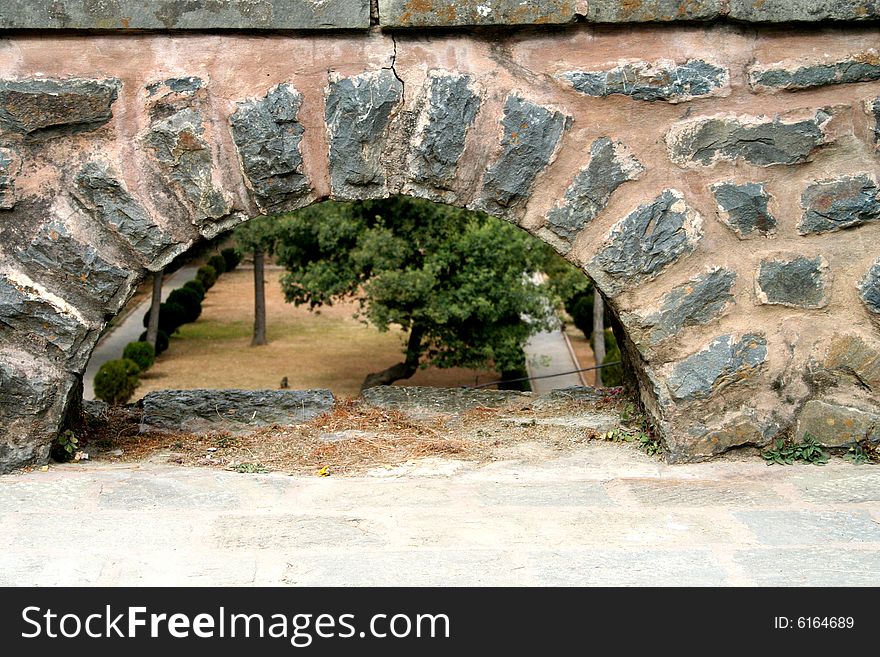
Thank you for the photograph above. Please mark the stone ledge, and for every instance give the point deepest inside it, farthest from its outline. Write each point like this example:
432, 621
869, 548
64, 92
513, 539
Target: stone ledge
355, 14
186, 15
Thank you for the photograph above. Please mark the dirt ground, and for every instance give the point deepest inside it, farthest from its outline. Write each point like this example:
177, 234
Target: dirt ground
324, 349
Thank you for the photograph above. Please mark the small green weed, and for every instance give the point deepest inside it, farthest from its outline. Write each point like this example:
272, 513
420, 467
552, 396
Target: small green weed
250, 468
857, 455
786, 453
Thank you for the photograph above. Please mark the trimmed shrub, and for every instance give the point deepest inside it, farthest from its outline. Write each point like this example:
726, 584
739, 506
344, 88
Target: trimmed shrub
116, 381
171, 317
207, 276
161, 341
189, 301
141, 353
218, 262
197, 287
231, 257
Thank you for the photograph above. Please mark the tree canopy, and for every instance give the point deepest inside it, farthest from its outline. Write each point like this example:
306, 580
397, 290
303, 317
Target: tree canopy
459, 283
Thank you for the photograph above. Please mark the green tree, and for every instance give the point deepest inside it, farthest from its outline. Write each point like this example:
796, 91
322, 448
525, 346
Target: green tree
457, 282
258, 237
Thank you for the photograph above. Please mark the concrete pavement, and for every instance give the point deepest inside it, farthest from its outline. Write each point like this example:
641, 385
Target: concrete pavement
548, 354
601, 514
112, 344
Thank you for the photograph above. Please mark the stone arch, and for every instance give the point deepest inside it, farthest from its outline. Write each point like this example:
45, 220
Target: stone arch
723, 199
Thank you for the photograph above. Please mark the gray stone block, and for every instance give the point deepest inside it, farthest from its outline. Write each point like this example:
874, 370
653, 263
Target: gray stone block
198, 411
836, 425
786, 11
870, 288
531, 135
185, 15
797, 283
610, 166
39, 326
32, 401
643, 244
846, 202
444, 401
184, 156
743, 208
449, 13
268, 136
721, 364
48, 108
652, 81
7, 182
873, 108
694, 303
358, 113
653, 11
72, 267
814, 566
105, 197
756, 140
452, 106
860, 67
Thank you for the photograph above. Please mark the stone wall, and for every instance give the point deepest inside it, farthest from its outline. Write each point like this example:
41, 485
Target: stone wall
718, 181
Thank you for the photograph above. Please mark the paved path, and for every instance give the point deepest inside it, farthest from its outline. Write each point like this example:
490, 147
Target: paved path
548, 353
604, 514
112, 344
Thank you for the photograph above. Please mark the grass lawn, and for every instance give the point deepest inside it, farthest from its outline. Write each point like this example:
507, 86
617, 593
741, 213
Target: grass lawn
329, 349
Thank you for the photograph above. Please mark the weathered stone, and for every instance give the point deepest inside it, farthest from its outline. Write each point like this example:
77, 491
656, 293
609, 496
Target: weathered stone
443, 13
531, 135
185, 14
651, 11
611, 165
358, 112
185, 157
845, 202
860, 67
797, 283
67, 264
427, 402
106, 198
651, 81
835, 425
743, 208
785, 11
873, 109
32, 400
46, 108
695, 303
721, 364
452, 107
199, 411
39, 325
756, 140
648, 240
850, 355
705, 442
268, 135
870, 289
7, 182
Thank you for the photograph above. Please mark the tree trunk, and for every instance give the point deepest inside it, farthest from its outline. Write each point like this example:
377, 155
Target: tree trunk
153, 323
598, 333
402, 370
259, 298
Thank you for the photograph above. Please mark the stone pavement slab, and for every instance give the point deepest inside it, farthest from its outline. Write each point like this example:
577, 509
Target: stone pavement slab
601, 514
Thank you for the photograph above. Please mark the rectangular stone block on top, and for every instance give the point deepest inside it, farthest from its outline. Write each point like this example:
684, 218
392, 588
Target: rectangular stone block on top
784, 11
443, 13
653, 11
189, 15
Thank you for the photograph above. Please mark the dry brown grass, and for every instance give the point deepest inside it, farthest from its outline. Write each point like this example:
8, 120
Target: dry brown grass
329, 349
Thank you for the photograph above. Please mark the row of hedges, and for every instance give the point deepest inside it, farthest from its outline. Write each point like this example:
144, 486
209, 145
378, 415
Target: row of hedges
117, 380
